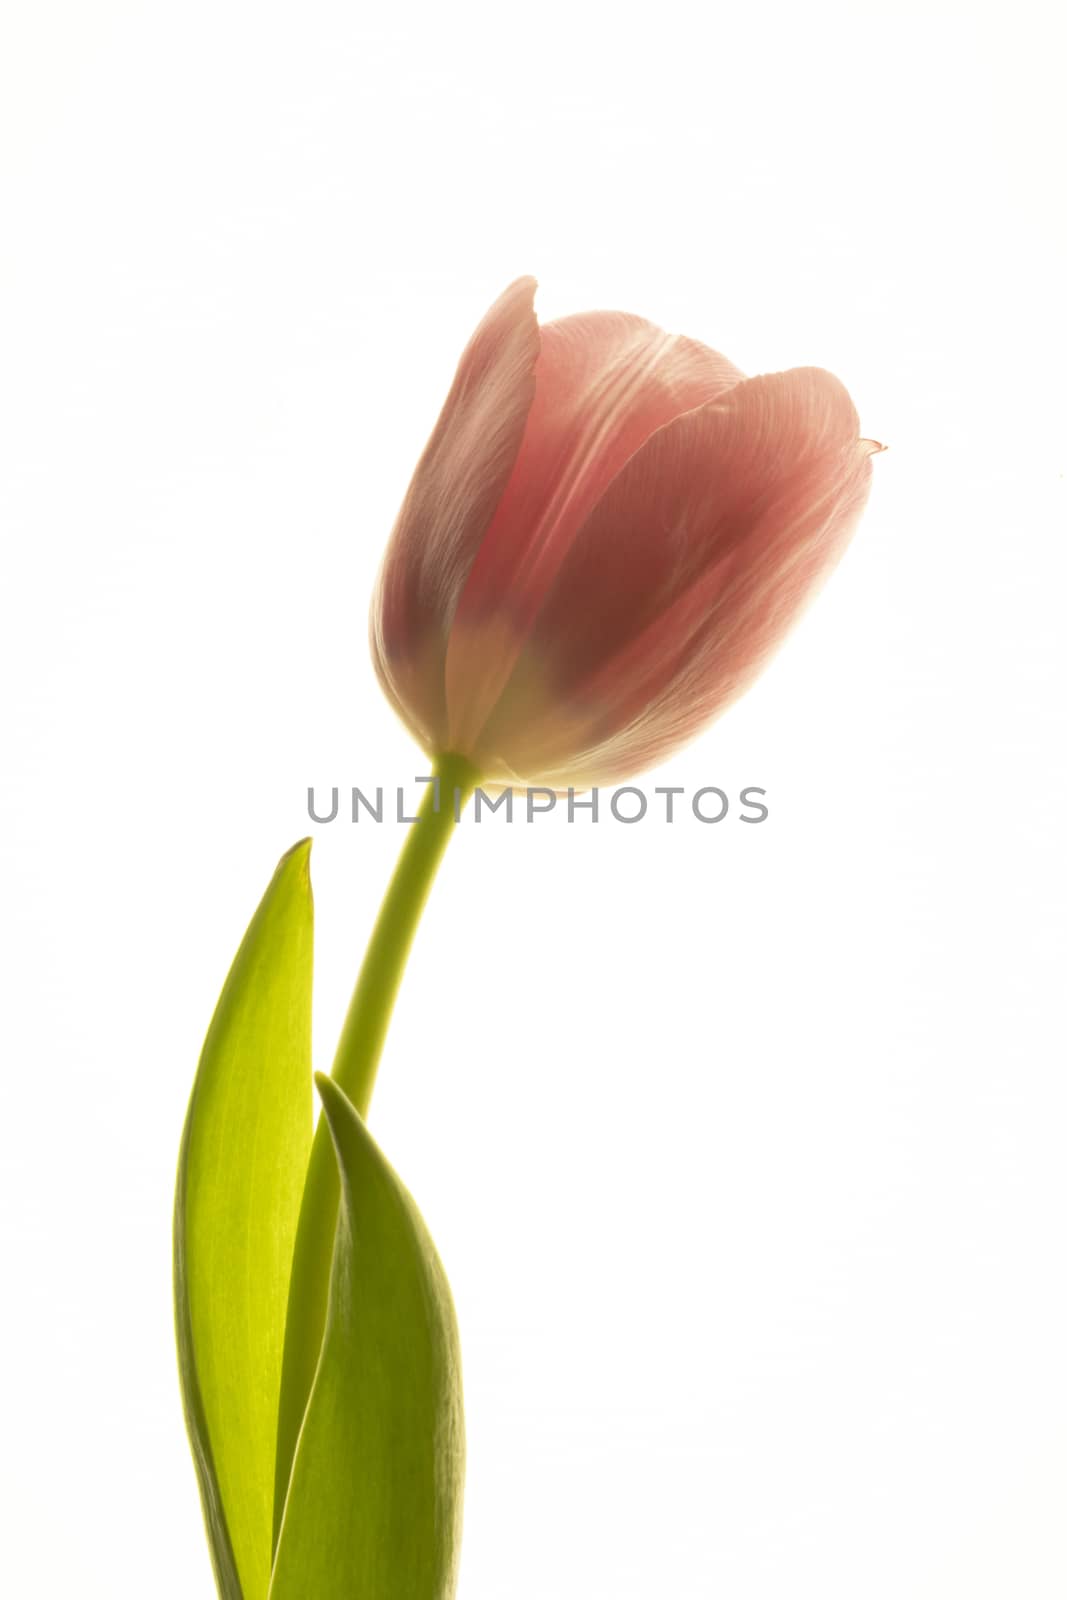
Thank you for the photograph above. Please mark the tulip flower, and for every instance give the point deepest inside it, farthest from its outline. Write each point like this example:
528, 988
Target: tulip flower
608, 533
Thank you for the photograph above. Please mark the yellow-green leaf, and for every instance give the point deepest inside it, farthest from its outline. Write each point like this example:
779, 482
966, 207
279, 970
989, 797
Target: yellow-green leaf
375, 1497
241, 1173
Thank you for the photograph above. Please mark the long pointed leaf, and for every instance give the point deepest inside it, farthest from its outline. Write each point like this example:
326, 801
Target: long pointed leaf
240, 1176
375, 1497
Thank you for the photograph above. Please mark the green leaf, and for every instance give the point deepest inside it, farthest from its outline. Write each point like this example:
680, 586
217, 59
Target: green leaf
375, 1498
240, 1176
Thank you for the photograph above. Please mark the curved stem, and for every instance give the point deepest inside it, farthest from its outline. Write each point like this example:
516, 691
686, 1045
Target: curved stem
355, 1069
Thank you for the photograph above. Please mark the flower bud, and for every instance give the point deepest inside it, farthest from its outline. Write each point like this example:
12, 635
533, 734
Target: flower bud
609, 531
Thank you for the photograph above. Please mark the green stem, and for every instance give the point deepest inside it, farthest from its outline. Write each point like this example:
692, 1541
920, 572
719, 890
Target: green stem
355, 1068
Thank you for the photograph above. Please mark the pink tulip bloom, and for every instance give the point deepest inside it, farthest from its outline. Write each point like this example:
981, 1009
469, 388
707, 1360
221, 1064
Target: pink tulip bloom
609, 531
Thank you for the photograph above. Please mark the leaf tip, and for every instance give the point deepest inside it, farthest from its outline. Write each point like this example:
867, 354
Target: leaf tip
293, 872
337, 1109
299, 855
332, 1096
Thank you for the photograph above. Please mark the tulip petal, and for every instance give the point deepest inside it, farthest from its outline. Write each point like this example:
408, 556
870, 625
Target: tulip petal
606, 382
684, 577
449, 506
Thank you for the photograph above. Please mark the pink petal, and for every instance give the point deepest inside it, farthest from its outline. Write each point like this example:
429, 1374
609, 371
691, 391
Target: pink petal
605, 382
684, 577
449, 506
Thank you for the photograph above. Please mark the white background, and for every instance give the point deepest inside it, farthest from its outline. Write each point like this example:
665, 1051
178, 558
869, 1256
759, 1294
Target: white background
747, 1163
